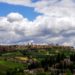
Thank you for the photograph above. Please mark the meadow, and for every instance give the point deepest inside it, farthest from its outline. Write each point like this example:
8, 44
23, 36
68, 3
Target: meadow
51, 60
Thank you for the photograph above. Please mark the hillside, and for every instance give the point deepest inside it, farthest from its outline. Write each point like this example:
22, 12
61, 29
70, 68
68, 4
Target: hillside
37, 60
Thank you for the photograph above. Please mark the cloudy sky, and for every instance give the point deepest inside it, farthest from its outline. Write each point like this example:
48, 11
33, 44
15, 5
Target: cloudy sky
37, 21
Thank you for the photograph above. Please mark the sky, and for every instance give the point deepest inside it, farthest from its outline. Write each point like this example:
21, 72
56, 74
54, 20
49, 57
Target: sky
37, 21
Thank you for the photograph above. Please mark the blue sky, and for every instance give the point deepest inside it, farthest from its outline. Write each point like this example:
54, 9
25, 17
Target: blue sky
35, 1
27, 12
37, 21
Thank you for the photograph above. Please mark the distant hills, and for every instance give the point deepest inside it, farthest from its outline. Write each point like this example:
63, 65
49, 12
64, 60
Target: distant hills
31, 46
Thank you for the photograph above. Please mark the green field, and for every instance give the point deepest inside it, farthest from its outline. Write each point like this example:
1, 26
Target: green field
38, 61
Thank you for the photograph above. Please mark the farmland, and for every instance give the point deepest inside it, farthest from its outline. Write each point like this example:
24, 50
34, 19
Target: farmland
37, 60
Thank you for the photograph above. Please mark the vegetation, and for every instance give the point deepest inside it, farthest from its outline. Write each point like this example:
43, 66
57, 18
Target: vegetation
37, 60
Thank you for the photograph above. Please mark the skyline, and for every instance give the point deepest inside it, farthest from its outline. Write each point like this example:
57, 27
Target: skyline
37, 21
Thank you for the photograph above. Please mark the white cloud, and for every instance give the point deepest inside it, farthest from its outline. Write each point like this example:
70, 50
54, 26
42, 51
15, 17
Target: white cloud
44, 29
17, 2
56, 25
14, 17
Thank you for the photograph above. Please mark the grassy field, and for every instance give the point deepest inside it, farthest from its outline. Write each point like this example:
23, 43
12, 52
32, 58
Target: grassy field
37, 61
17, 53
10, 64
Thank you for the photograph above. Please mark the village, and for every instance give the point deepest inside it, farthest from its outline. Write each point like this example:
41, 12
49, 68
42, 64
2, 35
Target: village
37, 60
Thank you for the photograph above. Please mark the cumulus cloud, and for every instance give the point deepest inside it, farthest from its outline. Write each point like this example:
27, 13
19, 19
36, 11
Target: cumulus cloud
17, 2
56, 25
14, 17
44, 29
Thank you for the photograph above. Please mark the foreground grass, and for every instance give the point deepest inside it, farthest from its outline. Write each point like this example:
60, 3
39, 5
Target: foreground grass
10, 64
